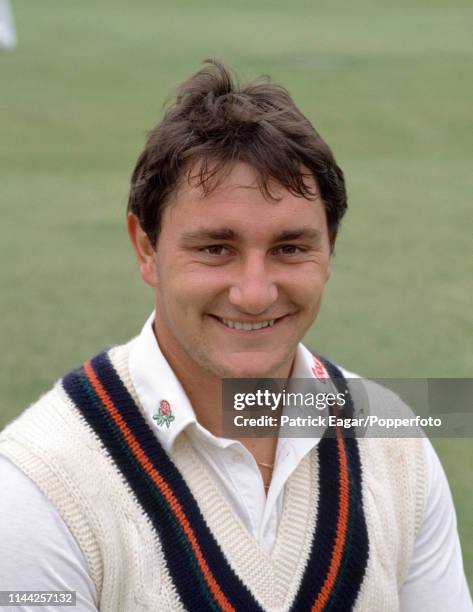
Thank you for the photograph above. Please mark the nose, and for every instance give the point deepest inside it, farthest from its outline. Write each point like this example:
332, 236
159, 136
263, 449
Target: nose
253, 290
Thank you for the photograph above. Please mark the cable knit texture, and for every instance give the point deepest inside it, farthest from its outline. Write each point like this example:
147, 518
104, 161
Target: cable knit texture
157, 533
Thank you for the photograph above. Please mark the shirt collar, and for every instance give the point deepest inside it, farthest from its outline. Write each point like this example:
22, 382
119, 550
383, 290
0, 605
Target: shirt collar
155, 382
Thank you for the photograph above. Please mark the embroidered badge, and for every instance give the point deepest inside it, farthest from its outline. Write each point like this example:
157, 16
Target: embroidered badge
164, 416
319, 370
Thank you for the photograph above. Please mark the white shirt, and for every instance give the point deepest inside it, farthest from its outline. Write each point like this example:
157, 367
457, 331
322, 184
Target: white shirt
39, 552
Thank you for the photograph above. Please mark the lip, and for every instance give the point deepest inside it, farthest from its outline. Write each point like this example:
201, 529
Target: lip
250, 332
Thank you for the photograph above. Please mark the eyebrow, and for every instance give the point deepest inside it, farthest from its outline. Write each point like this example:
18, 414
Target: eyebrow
222, 233
226, 233
304, 233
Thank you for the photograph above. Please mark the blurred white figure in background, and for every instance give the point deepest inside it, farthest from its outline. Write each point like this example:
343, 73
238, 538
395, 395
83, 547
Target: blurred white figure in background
7, 26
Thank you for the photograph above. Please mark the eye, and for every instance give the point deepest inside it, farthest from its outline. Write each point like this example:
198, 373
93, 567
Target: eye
214, 249
290, 249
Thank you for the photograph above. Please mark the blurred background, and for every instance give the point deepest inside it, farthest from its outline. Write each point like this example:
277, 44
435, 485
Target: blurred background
388, 85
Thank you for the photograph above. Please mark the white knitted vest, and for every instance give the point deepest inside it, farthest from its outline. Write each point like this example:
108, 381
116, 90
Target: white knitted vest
54, 445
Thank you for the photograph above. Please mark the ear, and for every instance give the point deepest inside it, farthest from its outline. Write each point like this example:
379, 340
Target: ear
144, 251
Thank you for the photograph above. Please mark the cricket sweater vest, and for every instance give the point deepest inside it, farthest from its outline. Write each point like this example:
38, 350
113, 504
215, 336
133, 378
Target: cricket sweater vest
158, 535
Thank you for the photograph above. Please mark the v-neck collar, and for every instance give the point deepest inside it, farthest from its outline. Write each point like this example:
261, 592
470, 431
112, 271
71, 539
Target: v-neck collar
202, 565
272, 577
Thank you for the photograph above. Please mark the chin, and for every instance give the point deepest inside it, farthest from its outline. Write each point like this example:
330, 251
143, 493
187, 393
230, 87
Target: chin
248, 374
245, 370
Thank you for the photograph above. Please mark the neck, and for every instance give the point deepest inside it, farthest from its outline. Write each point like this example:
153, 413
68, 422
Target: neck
204, 391
201, 387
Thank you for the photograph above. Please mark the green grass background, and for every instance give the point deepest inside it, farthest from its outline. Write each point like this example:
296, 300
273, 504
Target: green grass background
389, 85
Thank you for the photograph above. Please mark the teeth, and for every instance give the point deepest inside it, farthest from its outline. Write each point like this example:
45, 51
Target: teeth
247, 326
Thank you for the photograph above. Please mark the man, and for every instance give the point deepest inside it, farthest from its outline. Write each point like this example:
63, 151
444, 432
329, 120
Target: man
119, 483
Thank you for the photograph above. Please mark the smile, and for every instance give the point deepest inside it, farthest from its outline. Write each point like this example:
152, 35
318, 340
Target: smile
247, 325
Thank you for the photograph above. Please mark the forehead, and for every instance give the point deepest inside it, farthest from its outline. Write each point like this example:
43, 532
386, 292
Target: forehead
236, 200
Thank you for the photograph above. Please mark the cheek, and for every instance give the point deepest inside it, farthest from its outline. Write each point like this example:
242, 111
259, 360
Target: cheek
194, 293
305, 286
204, 284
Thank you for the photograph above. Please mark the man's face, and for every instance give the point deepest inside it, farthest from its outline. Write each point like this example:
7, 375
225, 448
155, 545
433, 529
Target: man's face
239, 279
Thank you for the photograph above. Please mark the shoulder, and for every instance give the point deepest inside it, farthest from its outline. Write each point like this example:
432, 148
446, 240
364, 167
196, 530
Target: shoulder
57, 405
38, 550
56, 450
52, 435
51, 445
436, 577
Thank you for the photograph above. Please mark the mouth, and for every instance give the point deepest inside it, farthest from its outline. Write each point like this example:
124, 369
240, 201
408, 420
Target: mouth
252, 327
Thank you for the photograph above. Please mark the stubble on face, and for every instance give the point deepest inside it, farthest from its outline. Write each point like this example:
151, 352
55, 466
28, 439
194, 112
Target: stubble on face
182, 326
195, 349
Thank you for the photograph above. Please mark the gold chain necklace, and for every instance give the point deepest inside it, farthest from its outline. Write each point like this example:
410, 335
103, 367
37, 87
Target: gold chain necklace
269, 466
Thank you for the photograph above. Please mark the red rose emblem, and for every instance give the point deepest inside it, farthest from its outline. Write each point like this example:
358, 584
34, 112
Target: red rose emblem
164, 415
319, 370
165, 408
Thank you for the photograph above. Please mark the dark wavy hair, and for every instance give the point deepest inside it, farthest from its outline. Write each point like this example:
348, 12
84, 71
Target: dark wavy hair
215, 122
